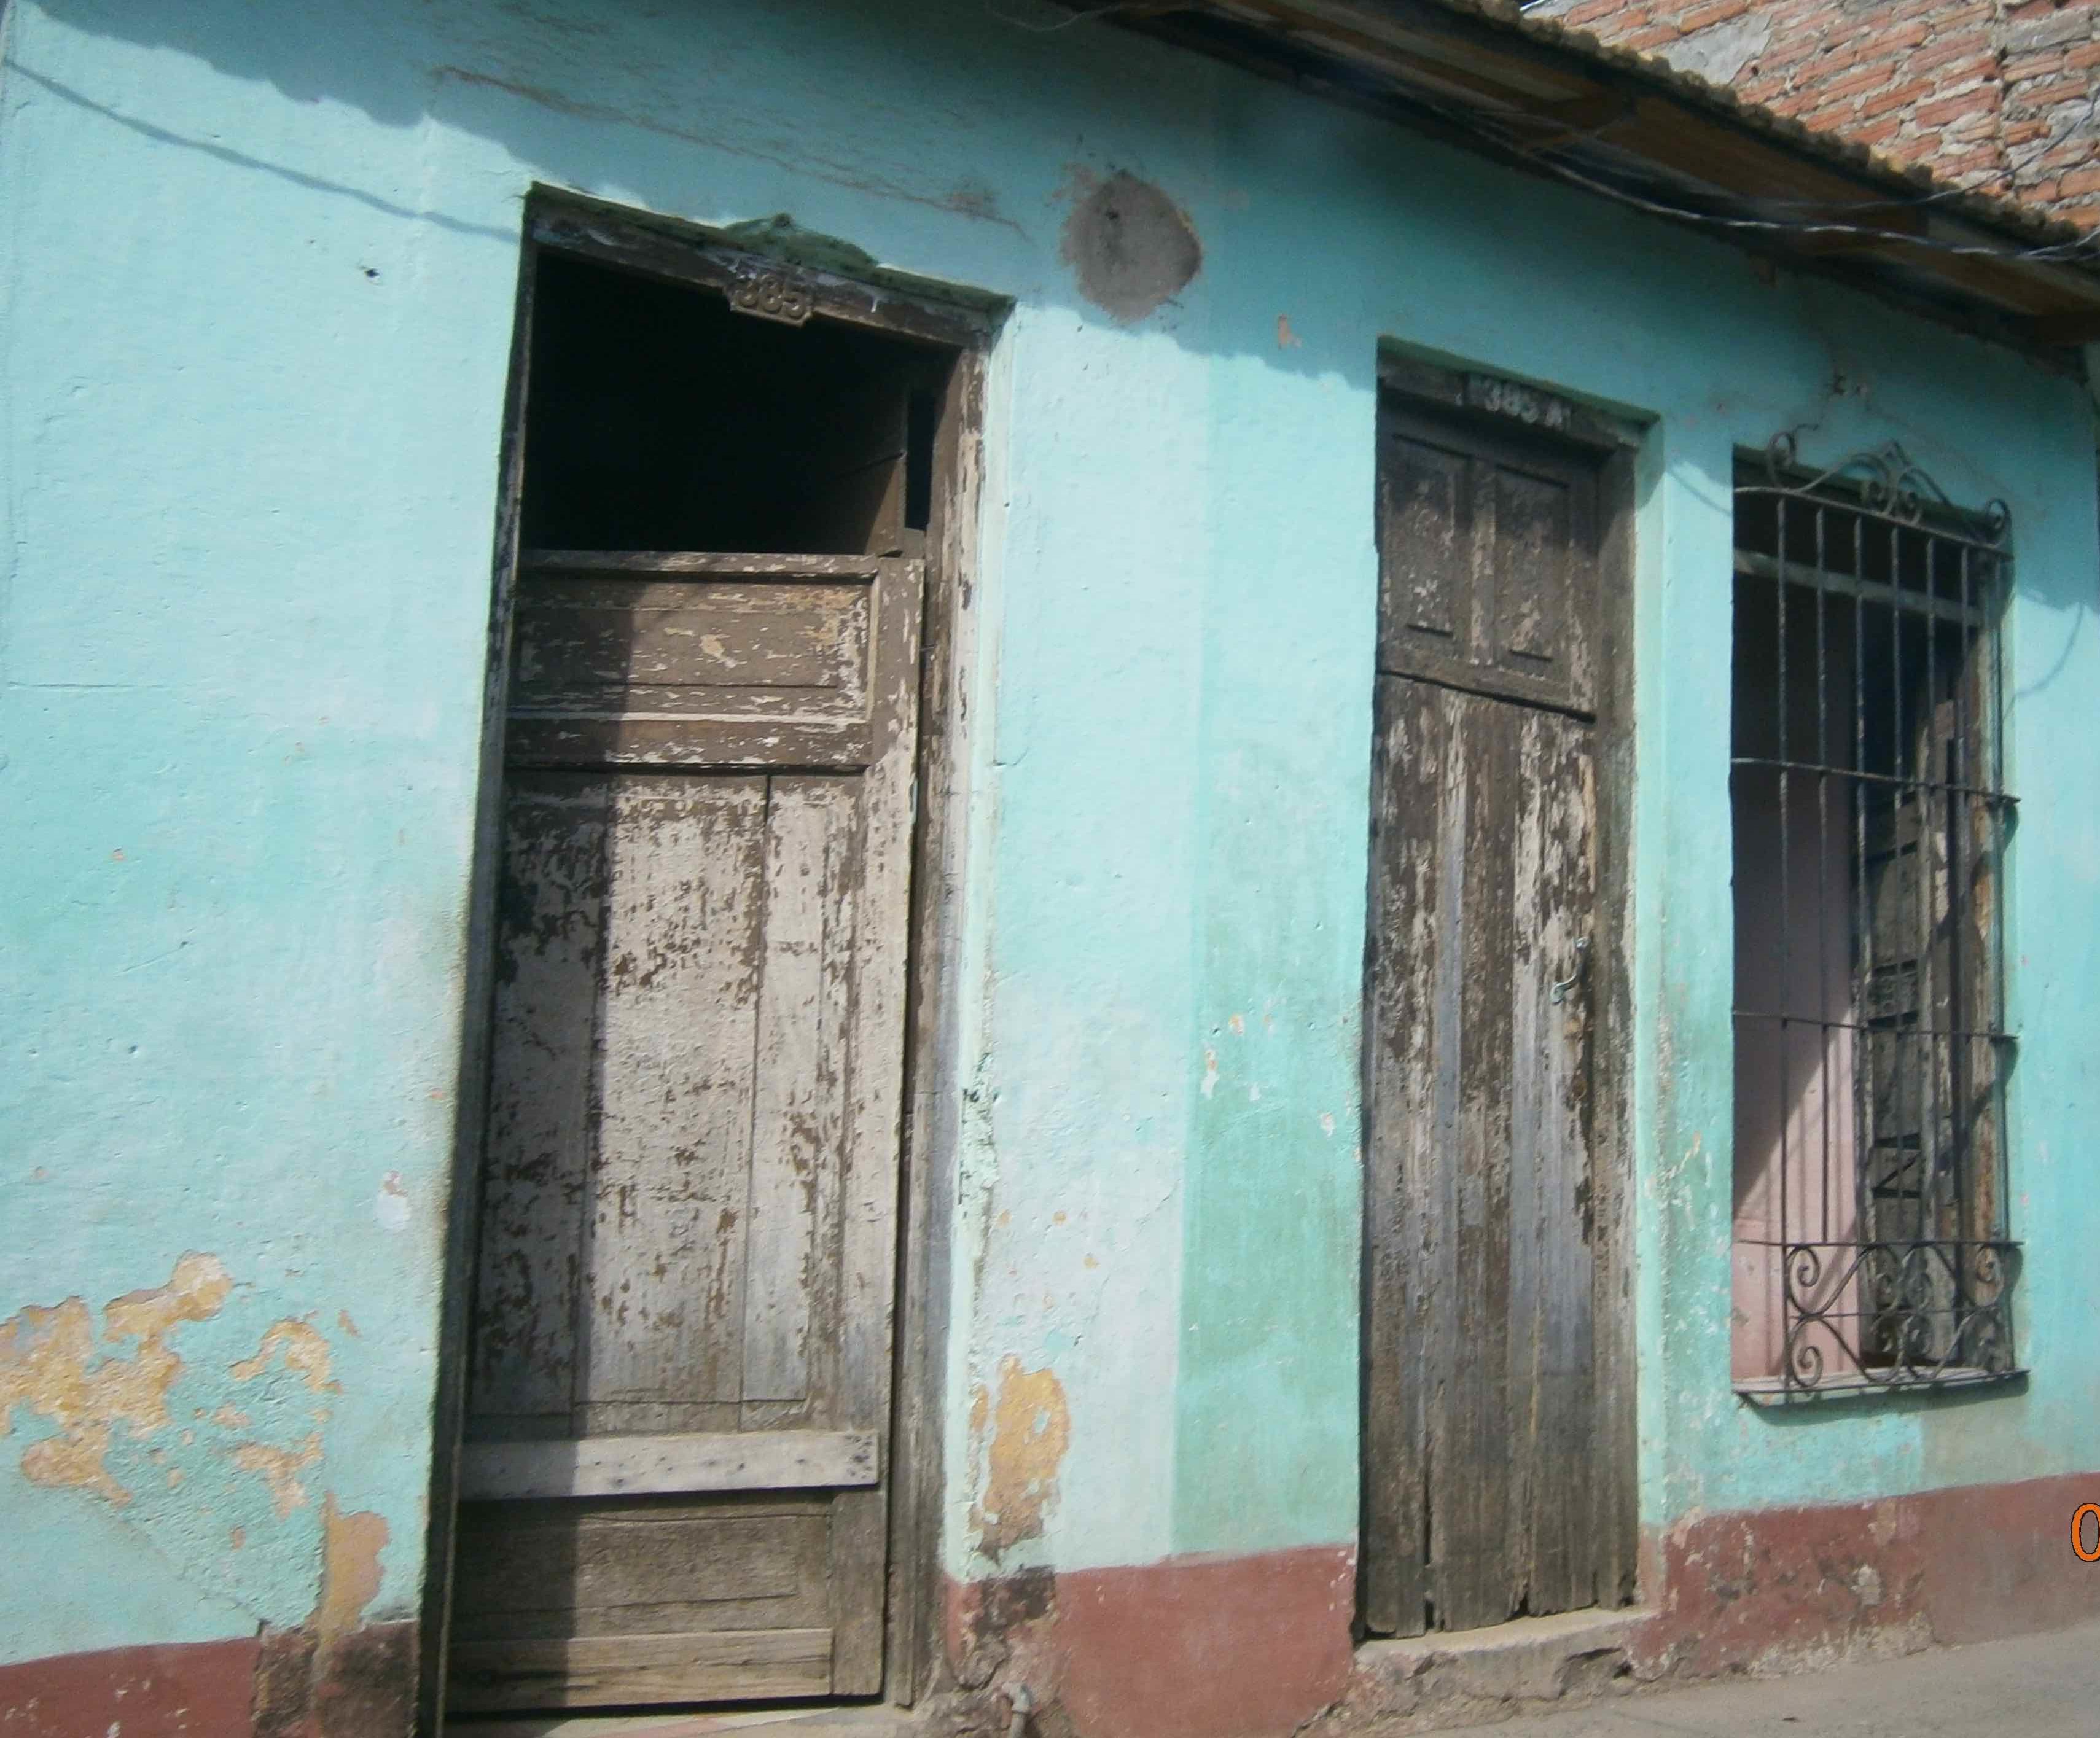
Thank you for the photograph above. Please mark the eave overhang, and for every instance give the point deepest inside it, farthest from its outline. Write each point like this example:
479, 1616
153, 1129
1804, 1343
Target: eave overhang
1557, 103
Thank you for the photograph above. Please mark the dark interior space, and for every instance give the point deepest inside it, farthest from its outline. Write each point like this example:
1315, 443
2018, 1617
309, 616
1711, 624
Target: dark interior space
1943, 553
659, 418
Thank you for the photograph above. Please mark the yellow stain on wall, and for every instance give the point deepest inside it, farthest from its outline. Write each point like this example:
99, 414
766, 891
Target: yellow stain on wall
305, 1353
280, 1469
1031, 1429
48, 1364
350, 1545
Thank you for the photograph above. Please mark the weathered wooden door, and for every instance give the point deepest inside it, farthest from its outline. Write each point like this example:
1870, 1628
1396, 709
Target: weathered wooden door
673, 1487
1491, 1404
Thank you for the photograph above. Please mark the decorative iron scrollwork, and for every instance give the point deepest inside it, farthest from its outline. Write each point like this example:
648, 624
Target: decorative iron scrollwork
1889, 483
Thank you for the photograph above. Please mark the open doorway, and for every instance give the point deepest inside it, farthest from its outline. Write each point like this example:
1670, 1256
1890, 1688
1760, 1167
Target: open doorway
675, 1477
661, 419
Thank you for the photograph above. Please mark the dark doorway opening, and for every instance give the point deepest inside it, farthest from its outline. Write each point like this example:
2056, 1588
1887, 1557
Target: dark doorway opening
663, 419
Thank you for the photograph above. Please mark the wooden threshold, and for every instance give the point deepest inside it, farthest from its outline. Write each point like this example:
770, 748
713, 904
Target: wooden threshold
587, 1671
703, 564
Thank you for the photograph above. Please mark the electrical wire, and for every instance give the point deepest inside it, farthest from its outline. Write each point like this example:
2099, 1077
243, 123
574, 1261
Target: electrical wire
2081, 249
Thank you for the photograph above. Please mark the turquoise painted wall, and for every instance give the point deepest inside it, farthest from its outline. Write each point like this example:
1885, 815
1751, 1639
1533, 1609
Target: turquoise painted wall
258, 264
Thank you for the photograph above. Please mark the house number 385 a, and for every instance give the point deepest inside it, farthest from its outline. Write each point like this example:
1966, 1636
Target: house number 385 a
769, 296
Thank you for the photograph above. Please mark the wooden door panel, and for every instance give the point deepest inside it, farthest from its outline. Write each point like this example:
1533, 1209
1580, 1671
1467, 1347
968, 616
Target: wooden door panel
536, 1146
1488, 547
1480, 1405
1536, 594
691, 1164
621, 1567
698, 660
791, 1206
1426, 550
1552, 1352
663, 1263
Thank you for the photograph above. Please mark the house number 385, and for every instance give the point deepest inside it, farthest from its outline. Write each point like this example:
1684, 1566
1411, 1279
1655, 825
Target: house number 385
771, 296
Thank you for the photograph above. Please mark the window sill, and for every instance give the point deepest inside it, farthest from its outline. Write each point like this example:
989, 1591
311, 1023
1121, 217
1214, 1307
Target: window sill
1770, 1390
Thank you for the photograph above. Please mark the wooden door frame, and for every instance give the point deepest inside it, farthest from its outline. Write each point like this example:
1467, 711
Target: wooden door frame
1497, 402
770, 284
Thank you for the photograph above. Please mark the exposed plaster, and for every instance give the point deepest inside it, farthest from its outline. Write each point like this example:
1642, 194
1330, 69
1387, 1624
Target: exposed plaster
305, 1352
1031, 1428
1131, 247
137, 1425
48, 1365
350, 1545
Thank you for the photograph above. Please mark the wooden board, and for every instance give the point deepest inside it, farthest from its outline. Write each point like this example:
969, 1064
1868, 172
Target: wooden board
1491, 1406
600, 1671
636, 1466
691, 1167
706, 661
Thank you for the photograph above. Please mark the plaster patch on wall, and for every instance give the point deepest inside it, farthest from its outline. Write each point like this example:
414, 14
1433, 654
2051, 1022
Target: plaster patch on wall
305, 1352
350, 1545
48, 1364
280, 1469
391, 1207
1030, 1427
210, 1455
1131, 247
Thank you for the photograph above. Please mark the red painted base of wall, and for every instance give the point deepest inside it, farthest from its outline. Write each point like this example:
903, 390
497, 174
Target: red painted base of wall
1242, 1648
1964, 1565
278, 1685
1193, 1647
202, 1690
1252, 1646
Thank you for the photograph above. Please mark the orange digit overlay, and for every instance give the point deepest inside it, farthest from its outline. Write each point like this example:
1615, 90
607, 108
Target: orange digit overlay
2078, 1532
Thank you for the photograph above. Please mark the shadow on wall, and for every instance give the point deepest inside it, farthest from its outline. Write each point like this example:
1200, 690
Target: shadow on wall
603, 97
990, 162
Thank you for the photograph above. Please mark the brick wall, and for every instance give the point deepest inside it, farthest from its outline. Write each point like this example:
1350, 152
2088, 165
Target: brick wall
2001, 95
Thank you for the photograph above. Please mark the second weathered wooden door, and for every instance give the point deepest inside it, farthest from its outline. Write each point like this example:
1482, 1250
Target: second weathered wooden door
673, 1482
1489, 1414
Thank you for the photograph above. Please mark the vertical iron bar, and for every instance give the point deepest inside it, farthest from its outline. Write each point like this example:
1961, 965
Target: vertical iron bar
1900, 755
1962, 894
1867, 1050
1823, 1071
1931, 904
1785, 968
1995, 606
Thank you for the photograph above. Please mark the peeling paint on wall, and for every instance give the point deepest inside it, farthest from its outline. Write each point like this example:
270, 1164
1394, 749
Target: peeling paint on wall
279, 1469
48, 1365
1030, 1431
305, 1352
215, 1460
350, 1545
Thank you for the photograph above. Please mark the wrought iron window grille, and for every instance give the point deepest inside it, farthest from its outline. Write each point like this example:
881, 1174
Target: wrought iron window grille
1872, 1249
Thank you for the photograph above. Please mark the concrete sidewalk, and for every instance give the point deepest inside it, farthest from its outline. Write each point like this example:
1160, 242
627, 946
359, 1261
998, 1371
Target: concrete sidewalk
2033, 1687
